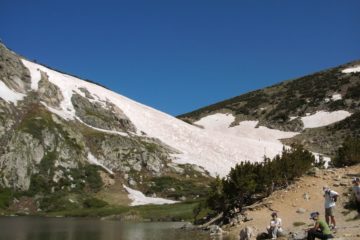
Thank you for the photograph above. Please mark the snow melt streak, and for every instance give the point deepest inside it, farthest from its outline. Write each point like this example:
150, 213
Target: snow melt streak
138, 198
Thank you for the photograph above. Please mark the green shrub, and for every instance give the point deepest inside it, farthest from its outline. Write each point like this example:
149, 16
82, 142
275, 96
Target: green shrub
248, 182
39, 184
58, 201
94, 203
93, 178
182, 187
5, 197
348, 154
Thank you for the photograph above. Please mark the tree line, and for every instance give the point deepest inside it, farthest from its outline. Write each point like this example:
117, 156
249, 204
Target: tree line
248, 182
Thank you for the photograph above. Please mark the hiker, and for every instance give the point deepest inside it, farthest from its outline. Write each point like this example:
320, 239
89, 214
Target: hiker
356, 191
330, 199
274, 230
320, 230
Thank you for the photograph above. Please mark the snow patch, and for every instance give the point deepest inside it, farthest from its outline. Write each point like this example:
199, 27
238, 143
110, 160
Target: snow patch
246, 129
10, 95
138, 198
95, 161
353, 69
322, 118
317, 158
336, 96
34, 73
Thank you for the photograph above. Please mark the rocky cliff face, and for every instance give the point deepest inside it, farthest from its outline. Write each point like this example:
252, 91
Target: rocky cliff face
42, 152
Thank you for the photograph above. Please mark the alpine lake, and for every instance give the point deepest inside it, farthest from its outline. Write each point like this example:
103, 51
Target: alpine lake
52, 228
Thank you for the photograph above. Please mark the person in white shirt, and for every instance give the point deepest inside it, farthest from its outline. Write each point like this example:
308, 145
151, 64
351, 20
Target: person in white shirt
275, 229
356, 190
330, 199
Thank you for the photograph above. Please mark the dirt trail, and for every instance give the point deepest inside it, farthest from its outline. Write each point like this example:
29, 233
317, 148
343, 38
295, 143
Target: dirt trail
306, 196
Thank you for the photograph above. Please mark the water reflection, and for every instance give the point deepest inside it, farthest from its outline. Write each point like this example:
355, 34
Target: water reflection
35, 228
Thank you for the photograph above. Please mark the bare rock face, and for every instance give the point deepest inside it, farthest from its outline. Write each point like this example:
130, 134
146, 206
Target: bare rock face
48, 92
19, 161
12, 72
125, 154
101, 115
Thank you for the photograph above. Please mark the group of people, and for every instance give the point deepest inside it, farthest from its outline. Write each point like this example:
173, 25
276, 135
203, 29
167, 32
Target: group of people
321, 229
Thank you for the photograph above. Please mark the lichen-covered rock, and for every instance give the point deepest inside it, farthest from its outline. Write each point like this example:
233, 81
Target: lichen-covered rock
12, 72
48, 92
19, 161
101, 115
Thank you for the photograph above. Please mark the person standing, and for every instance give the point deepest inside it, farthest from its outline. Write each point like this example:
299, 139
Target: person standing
356, 191
330, 199
320, 230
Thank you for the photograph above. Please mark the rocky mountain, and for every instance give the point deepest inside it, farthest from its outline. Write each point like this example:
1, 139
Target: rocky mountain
321, 109
61, 134
65, 140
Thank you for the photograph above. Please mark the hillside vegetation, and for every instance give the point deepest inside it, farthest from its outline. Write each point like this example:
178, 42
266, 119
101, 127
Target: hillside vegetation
281, 106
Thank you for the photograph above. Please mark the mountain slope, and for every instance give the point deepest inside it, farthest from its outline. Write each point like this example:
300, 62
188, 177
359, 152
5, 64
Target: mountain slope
59, 133
63, 136
322, 108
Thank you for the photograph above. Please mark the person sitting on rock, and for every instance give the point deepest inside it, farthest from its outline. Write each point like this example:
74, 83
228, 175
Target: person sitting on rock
356, 190
330, 199
320, 230
275, 229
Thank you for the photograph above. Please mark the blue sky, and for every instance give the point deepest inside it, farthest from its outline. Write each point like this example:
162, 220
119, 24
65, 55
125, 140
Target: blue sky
177, 56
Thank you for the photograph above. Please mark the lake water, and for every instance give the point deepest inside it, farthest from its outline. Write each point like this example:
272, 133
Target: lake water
38, 228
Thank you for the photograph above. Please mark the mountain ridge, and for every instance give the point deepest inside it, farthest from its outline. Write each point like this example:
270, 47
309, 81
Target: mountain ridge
64, 135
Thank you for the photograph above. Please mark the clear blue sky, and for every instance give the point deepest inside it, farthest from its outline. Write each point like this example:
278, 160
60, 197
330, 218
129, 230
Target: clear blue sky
179, 55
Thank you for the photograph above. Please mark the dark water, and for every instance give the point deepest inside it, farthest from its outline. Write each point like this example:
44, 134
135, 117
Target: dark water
36, 228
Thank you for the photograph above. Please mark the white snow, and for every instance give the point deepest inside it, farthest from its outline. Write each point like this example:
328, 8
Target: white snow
138, 198
292, 118
322, 118
34, 73
246, 129
10, 95
336, 96
93, 160
216, 148
326, 159
353, 69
